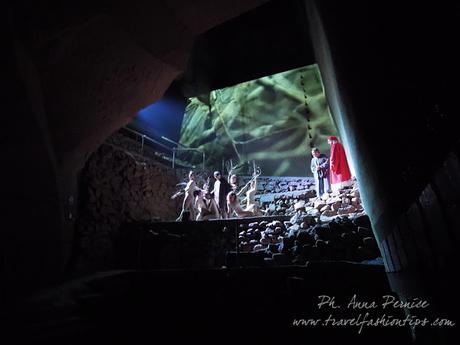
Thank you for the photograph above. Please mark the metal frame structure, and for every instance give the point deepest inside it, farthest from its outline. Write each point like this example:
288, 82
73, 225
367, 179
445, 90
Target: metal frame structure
174, 150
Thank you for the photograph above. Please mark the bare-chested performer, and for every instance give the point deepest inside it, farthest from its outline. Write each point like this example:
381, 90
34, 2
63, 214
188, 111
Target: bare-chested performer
233, 182
189, 199
206, 206
234, 207
251, 204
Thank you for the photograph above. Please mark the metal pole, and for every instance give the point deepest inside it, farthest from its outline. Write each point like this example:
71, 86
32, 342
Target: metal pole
174, 157
142, 146
148, 138
174, 142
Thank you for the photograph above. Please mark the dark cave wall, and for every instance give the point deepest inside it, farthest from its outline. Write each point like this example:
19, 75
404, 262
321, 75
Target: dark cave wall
76, 73
99, 64
396, 78
33, 210
119, 186
397, 114
390, 74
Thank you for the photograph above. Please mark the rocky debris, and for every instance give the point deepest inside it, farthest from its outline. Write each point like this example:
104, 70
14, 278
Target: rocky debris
299, 205
305, 238
273, 184
290, 195
346, 209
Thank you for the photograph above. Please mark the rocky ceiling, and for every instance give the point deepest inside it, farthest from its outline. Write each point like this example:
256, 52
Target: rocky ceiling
269, 39
90, 66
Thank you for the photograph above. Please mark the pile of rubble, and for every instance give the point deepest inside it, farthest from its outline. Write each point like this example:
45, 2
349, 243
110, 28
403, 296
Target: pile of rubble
274, 184
303, 238
346, 201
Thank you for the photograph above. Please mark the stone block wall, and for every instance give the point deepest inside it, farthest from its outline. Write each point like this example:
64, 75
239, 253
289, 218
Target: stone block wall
119, 186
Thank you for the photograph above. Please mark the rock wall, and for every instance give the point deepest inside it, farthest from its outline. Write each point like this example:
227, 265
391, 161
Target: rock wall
306, 238
291, 195
119, 186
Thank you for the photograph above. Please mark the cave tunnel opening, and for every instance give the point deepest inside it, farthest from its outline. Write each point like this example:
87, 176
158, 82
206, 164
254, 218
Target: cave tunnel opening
79, 75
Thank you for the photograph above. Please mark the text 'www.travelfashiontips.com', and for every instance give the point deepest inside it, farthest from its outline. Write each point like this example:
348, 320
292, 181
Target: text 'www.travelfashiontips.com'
363, 317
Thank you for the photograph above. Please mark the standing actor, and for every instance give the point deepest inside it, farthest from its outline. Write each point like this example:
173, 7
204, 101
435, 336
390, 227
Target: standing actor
320, 168
340, 175
221, 189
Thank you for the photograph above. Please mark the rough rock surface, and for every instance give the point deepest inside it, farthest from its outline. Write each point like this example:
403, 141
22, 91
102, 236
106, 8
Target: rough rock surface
306, 238
119, 186
290, 195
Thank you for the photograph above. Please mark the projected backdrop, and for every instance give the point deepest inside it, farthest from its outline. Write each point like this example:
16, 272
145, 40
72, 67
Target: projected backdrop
273, 120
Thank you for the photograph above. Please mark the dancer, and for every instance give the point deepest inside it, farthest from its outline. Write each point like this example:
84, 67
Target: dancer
251, 197
233, 182
188, 204
206, 206
340, 175
234, 207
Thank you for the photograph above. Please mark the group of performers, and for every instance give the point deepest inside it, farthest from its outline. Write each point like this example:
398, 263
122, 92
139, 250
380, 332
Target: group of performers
330, 174
219, 201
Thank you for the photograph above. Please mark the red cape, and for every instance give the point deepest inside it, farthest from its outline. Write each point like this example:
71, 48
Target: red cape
340, 172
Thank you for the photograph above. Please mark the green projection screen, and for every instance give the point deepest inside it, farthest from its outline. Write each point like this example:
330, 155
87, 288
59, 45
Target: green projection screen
274, 120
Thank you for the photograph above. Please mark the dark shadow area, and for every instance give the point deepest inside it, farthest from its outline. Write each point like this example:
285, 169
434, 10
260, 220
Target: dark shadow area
76, 73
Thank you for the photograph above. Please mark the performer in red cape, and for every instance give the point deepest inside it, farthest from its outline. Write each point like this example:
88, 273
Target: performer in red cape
340, 175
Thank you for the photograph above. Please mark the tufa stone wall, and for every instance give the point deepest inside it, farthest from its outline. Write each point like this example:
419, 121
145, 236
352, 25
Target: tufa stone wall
118, 186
